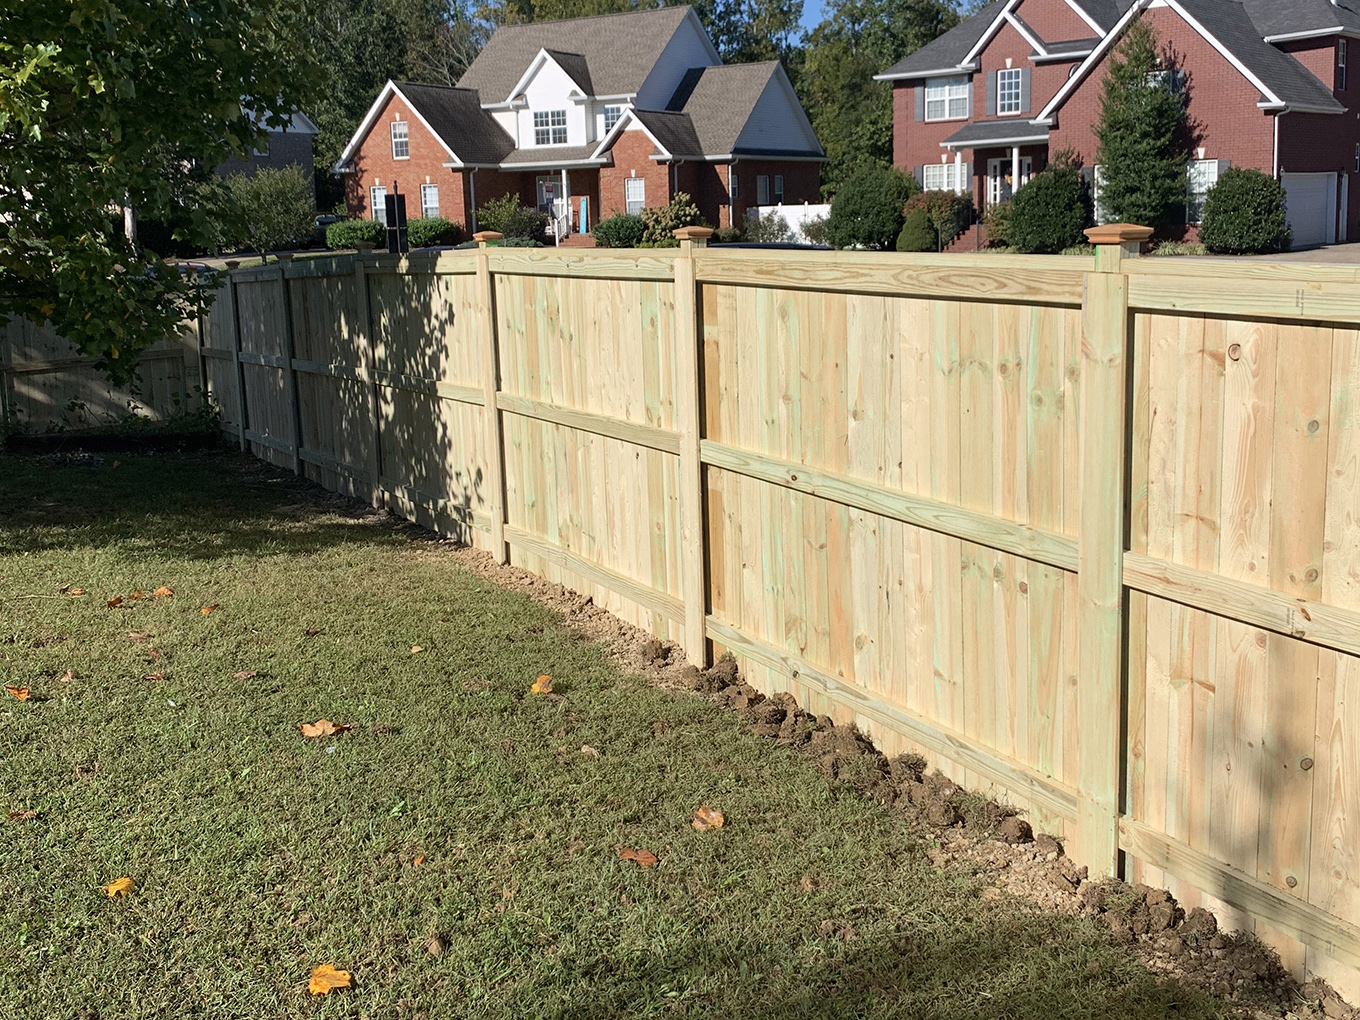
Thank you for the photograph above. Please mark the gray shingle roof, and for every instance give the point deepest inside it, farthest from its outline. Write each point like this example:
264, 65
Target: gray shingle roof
618, 56
994, 132
718, 102
577, 69
456, 116
674, 130
1069, 46
1277, 17
550, 154
949, 49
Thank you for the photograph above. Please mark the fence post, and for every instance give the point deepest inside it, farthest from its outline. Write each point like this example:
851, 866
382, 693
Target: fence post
495, 453
290, 383
688, 351
236, 354
1104, 432
368, 352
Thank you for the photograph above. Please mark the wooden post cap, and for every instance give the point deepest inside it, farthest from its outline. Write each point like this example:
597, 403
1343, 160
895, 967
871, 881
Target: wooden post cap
694, 233
1118, 233
486, 236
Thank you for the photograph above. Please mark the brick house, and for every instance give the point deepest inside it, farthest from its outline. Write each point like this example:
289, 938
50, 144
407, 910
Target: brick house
290, 145
981, 107
586, 118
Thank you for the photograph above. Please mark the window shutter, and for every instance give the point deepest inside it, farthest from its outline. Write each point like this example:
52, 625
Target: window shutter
920, 102
1223, 165
1024, 90
971, 106
920, 174
991, 93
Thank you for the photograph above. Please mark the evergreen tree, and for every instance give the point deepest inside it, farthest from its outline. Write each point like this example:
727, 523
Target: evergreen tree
1142, 150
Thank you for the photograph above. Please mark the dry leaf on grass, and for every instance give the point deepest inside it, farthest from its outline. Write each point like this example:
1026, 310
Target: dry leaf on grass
312, 631
326, 979
158, 677
435, 947
121, 887
137, 595
543, 685
22, 693
152, 655
706, 818
74, 592
416, 649
644, 858
246, 674
589, 752
115, 602
209, 609
419, 860
138, 635
164, 593
22, 816
323, 728
69, 675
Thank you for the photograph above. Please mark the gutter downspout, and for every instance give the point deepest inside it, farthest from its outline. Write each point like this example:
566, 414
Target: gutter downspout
731, 205
1276, 157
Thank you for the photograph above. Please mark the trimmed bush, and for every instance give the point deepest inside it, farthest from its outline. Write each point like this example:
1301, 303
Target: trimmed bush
814, 230
349, 233
947, 213
1244, 214
1173, 249
663, 221
434, 231
506, 216
1051, 212
867, 211
769, 230
996, 224
917, 232
621, 231
725, 235
520, 242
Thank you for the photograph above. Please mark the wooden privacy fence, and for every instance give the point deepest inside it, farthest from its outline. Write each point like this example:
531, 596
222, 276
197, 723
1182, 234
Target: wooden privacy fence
1082, 530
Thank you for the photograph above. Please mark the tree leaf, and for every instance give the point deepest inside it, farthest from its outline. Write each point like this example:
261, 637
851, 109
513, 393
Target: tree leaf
326, 979
246, 674
136, 595
589, 752
323, 728
120, 887
164, 593
312, 631
157, 677
416, 649
543, 685
22, 816
22, 693
75, 592
115, 602
644, 858
206, 610
138, 635
419, 861
706, 818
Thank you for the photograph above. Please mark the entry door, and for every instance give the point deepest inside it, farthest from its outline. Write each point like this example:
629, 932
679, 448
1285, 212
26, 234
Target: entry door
999, 185
549, 191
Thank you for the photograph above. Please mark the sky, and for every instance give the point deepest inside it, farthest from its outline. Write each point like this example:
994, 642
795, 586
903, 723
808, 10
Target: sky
812, 13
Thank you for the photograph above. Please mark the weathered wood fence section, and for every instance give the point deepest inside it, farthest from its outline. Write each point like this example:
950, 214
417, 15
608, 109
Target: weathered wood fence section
46, 382
1086, 531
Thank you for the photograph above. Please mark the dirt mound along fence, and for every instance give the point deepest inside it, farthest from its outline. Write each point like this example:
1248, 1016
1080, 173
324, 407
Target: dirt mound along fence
1085, 531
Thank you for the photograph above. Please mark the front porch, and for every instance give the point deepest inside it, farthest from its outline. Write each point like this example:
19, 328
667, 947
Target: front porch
1001, 157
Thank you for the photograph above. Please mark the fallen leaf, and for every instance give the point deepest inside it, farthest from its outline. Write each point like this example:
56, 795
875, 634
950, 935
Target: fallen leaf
22, 816
706, 818
416, 649
121, 887
435, 947
117, 463
75, 592
21, 693
164, 593
589, 752
115, 602
246, 674
419, 860
543, 685
69, 675
157, 677
323, 728
209, 609
658, 727
312, 631
137, 595
644, 858
152, 655
326, 979
138, 635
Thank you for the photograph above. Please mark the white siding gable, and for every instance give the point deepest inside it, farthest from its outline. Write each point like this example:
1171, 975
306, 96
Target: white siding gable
689, 47
551, 88
778, 121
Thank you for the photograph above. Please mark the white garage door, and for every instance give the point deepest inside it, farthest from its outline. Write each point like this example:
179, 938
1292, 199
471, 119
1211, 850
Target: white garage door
1312, 208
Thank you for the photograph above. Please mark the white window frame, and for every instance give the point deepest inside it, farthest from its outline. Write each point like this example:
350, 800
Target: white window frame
997, 189
762, 189
550, 127
634, 195
1009, 86
401, 140
377, 203
428, 192
1341, 65
731, 184
611, 117
778, 189
1200, 176
945, 95
940, 177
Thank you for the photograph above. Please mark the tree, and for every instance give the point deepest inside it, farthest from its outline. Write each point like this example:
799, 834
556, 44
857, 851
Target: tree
1245, 214
1050, 213
857, 39
106, 104
276, 207
1142, 133
867, 212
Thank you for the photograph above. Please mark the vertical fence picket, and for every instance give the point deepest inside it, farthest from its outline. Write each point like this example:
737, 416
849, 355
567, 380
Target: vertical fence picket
693, 532
367, 346
495, 452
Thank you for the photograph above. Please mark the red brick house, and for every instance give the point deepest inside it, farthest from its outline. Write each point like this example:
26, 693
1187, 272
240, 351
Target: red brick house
981, 107
586, 118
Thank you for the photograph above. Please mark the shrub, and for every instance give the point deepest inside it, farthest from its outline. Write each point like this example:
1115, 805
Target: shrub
349, 233
277, 208
1244, 214
772, 229
996, 224
867, 211
814, 230
917, 232
726, 235
1051, 212
507, 217
663, 221
521, 242
1175, 248
431, 232
621, 231
947, 213
1079, 249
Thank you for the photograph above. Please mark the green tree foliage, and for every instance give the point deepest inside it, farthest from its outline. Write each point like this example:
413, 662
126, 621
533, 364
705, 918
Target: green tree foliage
1050, 213
1142, 133
275, 208
1244, 214
508, 217
917, 233
620, 231
105, 103
663, 221
351, 233
867, 211
857, 39
432, 232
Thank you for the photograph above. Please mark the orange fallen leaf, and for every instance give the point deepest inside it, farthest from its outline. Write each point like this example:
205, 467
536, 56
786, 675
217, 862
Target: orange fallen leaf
323, 728
312, 631
326, 979
589, 752
209, 609
117, 463
416, 649
645, 858
121, 887
157, 677
69, 675
706, 818
137, 595
246, 674
152, 655
543, 685
22, 693
74, 592
164, 593
22, 816
115, 602
419, 860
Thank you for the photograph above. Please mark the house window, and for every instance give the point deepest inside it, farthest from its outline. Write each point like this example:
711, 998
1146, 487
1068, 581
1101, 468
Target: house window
401, 143
550, 127
377, 202
611, 117
940, 177
1341, 65
947, 99
634, 195
1173, 80
429, 200
762, 189
732, 184
779, 189
1008, 91
1202, 175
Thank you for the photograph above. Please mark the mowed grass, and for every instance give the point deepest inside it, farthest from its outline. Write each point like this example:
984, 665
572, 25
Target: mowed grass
259, 855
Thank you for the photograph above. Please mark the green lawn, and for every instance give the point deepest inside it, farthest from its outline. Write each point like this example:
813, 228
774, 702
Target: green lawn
259, 854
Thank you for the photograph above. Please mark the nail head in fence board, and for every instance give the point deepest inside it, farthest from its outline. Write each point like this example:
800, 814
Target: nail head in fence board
495, 448
688, 351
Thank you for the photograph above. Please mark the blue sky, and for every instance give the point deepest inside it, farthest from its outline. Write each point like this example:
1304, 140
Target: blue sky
812, 13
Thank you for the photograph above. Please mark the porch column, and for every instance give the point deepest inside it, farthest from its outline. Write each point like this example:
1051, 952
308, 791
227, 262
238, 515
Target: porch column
958, 171
566, 198
1015, 169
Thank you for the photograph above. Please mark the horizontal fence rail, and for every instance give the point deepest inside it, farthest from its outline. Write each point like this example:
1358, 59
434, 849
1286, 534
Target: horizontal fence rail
1084, 531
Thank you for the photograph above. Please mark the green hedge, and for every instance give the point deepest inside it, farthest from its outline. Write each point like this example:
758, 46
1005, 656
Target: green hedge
349, 233
507, 217
867, 211
1051, 212
1244, 214
432, 232
917, 232
621, 231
